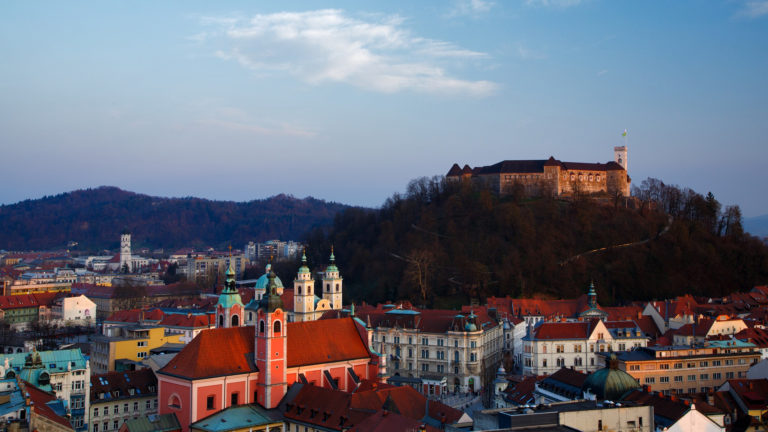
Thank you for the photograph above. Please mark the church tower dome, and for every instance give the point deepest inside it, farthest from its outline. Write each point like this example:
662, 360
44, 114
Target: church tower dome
229, 308
332, 284
304, 292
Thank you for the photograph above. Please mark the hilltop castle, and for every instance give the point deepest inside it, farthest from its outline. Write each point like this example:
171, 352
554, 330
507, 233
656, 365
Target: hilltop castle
551, 176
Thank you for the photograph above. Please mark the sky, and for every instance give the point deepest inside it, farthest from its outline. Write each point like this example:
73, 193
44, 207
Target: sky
349, 101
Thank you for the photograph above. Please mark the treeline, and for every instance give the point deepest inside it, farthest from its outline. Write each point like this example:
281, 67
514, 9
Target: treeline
94, 218
445, 243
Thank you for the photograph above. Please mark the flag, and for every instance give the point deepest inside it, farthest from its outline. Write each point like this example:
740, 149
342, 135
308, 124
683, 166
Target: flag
624, 134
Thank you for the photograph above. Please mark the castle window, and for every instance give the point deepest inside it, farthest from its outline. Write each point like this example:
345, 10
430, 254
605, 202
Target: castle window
261, 326
276, 327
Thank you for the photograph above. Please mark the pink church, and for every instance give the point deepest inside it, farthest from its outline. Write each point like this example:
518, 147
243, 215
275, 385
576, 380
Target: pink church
233, 365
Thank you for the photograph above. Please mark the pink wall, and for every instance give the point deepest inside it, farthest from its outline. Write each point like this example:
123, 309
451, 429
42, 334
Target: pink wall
165, 390
201, 400
236, 387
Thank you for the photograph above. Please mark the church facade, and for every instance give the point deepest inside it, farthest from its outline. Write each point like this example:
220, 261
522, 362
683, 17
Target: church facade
237, 363
551, 176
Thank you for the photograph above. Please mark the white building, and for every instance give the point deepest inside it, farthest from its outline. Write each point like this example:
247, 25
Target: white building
553, 345
79, 310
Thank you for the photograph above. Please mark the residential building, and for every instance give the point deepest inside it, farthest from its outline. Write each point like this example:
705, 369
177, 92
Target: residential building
75, 310
580, 415
672, 414
704, 328
19, 310
125, 346
751, 396
554, 345
436, 351
687, 369
65, 373
117, 397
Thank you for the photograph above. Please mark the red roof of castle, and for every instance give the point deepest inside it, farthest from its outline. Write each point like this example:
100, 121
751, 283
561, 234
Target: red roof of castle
229, 351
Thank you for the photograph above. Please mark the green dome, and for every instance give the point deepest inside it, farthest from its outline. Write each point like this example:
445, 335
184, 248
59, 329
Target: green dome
610, 382
261, 283
303, 268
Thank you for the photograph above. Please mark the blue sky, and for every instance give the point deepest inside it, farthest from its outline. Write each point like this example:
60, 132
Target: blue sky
348, 101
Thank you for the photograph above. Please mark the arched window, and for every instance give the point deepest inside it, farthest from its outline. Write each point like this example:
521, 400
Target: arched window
174, 401
276, 327
337, 287
455, 356
221, 320
299, 290
327, 287
250, 316
261, 326
235, 320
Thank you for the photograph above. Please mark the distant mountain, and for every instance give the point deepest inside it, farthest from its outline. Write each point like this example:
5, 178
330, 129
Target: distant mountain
94, 218
757, 226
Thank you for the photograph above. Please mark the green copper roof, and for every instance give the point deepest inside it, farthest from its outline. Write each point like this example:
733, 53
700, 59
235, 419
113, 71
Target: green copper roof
236, 417
610, 382
261, 283
332, 266
227, 300
271, 299
303, 268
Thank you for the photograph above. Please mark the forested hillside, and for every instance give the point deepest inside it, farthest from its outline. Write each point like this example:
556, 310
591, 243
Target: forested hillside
94, 218
442, 244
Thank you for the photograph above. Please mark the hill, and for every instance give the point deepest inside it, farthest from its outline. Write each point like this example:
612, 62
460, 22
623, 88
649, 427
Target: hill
444, 244
95, 217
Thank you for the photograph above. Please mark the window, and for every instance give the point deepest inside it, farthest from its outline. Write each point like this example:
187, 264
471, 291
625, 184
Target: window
577, 348
544, 363
691, 377
105, 426
729, 375
96, 412
441, 355
115, 409
650, 380
678, 378
425, 354
440, 342
704, 376
261, 326
678, 365
233, 398
473, 357
410, 352
729, 362
473, 344
142, 354
135, 406
125, 407
141, 343
276, 327
209, 402
703, 364
441, 368
147, 405
664, 379
560, 362
715, 362
424, 341
95, 427
664, 366
717, 376
559, 348
115, 425
425, 367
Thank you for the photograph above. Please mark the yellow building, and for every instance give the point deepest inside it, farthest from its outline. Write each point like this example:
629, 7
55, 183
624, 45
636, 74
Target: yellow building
131, 343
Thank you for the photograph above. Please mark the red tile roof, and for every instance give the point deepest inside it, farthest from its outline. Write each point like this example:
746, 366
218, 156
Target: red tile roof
564, 330
752, 392
218, 352
118, 384
663, 406
20, 301
385, 421
324, 341
40, 406
188, 321
215, 352
135, 315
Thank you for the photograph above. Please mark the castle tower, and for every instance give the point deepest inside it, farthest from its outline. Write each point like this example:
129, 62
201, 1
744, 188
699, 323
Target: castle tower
620, 157
303, 293
229, 309
592, 296
270, 349
125, 251
332, 284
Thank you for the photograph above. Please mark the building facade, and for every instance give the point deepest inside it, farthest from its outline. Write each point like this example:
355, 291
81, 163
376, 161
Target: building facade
130, 343
686, 369
117, 397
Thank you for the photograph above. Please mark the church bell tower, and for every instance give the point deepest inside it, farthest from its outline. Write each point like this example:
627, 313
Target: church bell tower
332, 284
271, 346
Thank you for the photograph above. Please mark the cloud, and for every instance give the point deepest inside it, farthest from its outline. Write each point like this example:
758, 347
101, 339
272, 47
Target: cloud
754, 9
329, 46
558, 4
235, 119
529, 54
470, 7
602, 72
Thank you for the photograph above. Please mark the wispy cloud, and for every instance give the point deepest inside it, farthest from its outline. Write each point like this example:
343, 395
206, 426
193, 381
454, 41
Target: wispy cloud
526, 53
234, 119
326, 46
469, 8
602, 72
559, 4
753, 8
